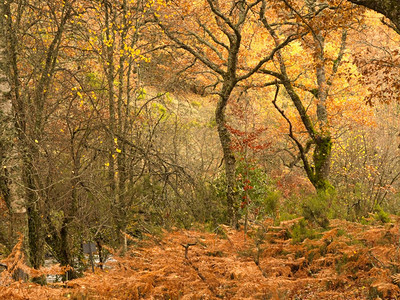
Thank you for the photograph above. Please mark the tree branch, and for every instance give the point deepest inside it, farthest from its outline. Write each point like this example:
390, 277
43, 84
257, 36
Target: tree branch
289, 39
339, 58
302, 151
212, 36
208, 44
189, 49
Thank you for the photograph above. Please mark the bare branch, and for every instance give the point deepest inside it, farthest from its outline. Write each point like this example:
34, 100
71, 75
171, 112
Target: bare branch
208, 44
221, 16
315, 35
286, 42
212, 36
192, 51
339, 58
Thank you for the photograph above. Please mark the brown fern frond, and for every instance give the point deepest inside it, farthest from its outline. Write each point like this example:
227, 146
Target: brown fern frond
396, 278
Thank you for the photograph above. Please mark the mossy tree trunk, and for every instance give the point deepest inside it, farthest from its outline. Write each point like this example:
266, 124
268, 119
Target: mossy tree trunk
318, 169
229, 157
322, 162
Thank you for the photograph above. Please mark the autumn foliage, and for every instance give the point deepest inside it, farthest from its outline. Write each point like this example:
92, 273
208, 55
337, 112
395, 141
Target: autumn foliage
145, 127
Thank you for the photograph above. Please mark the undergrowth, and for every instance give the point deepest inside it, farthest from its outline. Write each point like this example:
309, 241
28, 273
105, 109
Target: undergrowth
292, 260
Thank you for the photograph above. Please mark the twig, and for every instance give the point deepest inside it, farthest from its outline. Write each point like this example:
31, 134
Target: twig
370, 254
186, 246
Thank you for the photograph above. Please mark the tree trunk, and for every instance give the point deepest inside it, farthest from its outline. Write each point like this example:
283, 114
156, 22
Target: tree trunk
122, 205
65, 247
322, 138
34, 209
112, 122
226, 143
9, 155
229, 159
322, 162
63, 243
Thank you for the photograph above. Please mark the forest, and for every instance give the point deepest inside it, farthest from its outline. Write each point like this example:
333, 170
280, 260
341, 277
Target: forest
206, 149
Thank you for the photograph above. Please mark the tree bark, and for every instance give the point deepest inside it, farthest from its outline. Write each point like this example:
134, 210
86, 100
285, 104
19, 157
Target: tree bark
30, 130
229, 157
109, 19
322, 137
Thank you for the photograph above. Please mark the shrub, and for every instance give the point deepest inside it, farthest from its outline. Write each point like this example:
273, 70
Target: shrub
300, 231
381, 215
315, 209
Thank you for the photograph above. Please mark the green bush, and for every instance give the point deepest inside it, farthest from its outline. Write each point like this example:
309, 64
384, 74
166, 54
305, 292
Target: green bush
381, 215
315, 209
258, 197
301, 231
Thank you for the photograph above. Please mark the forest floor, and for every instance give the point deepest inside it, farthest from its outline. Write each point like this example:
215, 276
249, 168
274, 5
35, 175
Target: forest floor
347, 261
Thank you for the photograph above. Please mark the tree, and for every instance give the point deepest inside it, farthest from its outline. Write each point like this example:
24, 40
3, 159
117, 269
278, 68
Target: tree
32, 68
217, 43
9, 152
365, 165
311, 16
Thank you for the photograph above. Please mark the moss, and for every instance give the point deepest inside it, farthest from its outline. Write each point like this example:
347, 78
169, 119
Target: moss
322, 153
315, 93
340, 232
321, 158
